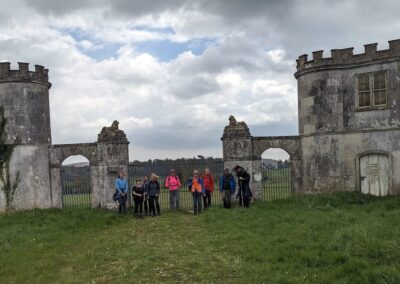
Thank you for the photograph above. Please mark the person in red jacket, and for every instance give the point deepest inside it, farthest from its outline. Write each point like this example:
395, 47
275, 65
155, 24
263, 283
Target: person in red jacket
208, 181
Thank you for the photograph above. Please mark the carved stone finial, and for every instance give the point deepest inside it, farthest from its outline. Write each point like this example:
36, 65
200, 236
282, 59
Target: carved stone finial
112, 134
236, 129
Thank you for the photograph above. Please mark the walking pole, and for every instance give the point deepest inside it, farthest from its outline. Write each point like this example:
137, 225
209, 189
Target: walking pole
240, 193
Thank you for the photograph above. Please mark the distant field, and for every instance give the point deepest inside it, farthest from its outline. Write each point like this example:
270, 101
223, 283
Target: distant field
338, 238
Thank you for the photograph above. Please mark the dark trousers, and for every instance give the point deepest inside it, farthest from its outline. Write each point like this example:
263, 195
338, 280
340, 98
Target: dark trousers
122, 204
138, 205
246, 202
146, 205
226, 198
154, 206
207, 199
196, 202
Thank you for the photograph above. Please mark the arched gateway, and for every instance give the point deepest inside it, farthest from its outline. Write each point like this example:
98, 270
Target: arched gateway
239, 147
106, 157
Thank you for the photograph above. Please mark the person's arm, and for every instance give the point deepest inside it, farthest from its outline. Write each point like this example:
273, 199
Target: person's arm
203, 189
167, 182
119, 191
233, 184
158, 188
212, 182
221, 181
246, 177
189, 184
179, 181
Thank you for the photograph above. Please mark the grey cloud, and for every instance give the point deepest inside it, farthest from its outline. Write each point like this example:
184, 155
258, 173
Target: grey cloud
59, 7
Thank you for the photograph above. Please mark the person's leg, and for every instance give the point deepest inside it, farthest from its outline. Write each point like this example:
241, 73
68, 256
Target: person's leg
151, 206
158, 206
120, 205
136, 205
228, 198
172, 199
194, 203
204, 201
141, 207
246, 202
209, 199
146, 205
223, 198
177, 199
124, 198
199, 198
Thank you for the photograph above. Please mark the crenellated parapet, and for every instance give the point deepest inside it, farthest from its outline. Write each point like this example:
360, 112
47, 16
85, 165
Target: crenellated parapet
341, 58
23, 74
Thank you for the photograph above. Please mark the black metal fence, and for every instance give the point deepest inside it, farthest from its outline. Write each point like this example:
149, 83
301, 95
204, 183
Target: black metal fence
276, 182
76, 189
184, 169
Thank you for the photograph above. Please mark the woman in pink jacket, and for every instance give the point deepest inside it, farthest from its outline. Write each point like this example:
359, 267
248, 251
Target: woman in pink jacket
173, 183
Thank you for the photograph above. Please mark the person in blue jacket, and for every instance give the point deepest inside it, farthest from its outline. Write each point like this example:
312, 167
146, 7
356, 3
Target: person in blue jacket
121, 188
227, 186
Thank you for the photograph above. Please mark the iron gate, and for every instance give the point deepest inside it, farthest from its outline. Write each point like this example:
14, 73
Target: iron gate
76, 187
276, 181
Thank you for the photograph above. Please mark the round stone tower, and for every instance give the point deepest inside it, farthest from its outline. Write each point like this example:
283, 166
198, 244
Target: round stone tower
24, 101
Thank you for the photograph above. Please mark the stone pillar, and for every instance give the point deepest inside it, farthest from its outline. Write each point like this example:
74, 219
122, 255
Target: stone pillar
113, 156
238, 150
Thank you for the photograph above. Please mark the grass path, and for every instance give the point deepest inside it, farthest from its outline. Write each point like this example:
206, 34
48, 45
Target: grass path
339, 238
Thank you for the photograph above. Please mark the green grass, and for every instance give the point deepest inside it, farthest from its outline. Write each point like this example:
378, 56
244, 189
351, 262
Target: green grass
338, 238
82, 200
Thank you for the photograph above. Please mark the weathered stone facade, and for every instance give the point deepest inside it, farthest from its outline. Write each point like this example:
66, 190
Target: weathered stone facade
336, 132
24, 96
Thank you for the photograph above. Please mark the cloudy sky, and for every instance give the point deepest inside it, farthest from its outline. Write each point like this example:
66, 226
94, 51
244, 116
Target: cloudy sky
173, 71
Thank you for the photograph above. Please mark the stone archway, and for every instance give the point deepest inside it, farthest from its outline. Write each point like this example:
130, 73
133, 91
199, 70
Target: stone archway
76, 182
239, 147
107, 156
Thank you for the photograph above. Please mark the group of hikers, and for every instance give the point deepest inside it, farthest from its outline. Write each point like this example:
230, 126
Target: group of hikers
146, 192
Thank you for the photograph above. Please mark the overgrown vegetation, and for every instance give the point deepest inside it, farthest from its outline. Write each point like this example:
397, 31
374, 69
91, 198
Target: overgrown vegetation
338, 238
6, 151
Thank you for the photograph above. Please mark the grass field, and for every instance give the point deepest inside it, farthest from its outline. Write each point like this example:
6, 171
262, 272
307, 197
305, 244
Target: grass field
339, 238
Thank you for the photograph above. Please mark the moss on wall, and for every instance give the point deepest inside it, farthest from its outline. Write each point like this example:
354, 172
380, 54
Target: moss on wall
6, 151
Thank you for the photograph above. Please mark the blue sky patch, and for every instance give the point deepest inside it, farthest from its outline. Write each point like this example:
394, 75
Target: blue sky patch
166, 50
163, 50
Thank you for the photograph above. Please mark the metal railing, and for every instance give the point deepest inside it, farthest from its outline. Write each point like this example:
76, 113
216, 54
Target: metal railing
76, 190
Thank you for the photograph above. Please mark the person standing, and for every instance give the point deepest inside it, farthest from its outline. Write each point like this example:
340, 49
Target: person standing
173, 183
196, 186
146, 196
208, 181
138, 196
121, 188
244, 193
227, 187
153, 190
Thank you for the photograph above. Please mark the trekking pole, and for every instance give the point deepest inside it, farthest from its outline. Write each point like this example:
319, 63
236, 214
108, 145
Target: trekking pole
240, 193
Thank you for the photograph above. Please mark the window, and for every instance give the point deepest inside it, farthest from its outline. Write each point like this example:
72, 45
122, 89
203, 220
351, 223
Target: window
372, 90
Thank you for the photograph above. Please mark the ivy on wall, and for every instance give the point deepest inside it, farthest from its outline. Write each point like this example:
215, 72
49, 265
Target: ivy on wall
6, 151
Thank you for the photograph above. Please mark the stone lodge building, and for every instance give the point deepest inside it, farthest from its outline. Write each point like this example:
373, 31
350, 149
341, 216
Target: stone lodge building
349, 125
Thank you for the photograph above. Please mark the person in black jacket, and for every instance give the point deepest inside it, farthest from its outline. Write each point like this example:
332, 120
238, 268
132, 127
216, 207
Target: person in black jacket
153, 190
138, 196
244, 193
